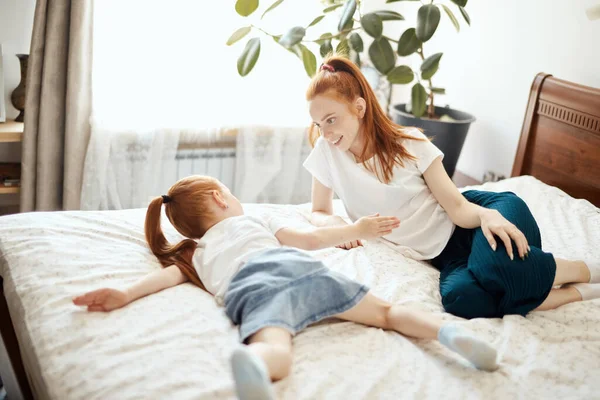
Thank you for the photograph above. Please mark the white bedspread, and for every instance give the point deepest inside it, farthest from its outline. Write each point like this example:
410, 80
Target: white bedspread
176, 344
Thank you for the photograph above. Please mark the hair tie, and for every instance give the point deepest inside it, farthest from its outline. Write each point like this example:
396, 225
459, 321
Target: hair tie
166, 199
327, 67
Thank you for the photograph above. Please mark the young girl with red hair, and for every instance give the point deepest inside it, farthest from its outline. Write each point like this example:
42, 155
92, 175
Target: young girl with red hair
271, 291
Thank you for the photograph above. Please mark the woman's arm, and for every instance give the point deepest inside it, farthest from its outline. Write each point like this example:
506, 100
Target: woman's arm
322, 205
109, 299
322, 212
370, 227
468, 215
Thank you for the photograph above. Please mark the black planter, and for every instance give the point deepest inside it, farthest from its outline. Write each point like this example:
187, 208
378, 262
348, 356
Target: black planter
448, 136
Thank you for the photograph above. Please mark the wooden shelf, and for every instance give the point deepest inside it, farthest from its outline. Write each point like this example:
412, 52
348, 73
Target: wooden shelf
11, 131
9, 189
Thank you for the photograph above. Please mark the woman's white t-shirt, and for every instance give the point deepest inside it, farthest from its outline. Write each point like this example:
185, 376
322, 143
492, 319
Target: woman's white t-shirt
425, 228
227, 245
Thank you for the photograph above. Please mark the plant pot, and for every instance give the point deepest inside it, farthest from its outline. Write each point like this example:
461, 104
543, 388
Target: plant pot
448, 136
18, 95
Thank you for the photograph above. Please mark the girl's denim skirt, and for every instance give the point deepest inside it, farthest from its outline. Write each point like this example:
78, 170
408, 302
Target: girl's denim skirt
289, 289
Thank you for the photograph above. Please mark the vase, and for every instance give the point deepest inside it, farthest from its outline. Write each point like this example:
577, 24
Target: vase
18, 95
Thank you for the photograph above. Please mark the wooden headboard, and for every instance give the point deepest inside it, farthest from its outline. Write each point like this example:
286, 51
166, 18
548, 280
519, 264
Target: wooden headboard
560, 139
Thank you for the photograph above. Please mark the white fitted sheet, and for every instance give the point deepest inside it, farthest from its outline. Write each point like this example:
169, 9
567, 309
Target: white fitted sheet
176, 344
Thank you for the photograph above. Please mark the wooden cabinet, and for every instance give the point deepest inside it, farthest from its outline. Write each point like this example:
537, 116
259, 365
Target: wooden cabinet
10, 132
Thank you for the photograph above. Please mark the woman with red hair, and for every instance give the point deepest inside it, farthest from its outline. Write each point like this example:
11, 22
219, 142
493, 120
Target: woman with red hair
374, 165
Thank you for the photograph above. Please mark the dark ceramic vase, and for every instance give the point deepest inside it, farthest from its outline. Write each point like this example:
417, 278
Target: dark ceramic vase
18, 95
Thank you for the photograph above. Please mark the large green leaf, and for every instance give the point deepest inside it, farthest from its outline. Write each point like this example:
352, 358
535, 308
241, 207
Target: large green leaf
428, 19
347, 15
372, 24
237, 35
309, 60
460, 3
418, 100
333, 7
356, 42
387, 15
382, 55
246, 7
343, 48
401, 74
292, 37
278, 2
465, 15
248, 57
326, 48
316, 21
297, 50
452, 17
408, 43
324, 37
430, 65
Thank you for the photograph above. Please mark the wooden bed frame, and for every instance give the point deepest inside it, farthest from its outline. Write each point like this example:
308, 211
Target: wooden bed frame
560, 139
560, 145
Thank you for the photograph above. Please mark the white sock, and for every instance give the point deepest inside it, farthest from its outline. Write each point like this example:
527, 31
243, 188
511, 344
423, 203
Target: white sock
251, 377
594, 268
478, 352
588, 291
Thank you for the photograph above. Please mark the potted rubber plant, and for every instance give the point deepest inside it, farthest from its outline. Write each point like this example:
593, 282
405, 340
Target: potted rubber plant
447, 126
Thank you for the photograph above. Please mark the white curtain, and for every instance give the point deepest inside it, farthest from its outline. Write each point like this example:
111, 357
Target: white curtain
162, 67
125, 169
269, 164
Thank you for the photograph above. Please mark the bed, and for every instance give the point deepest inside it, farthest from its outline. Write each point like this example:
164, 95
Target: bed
175, 344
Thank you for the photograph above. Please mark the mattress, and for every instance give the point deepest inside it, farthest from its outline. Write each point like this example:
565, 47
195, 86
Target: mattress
176, 344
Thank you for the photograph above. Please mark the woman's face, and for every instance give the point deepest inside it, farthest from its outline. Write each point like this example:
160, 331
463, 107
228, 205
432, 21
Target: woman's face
338, 122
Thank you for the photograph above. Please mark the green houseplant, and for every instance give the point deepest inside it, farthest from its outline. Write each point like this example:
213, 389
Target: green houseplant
448, 127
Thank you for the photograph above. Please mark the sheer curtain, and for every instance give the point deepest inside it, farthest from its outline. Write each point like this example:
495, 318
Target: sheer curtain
163, 67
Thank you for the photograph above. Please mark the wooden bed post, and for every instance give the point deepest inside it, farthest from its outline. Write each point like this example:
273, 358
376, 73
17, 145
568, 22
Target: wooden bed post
534, 94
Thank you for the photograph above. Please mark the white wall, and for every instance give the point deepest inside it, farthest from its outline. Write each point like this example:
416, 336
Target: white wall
16, 22
487, 69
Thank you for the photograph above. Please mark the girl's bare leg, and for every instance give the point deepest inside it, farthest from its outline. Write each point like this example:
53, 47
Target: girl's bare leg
268, 357
373, 311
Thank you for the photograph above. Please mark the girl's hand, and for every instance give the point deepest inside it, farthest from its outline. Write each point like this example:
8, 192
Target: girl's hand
493, 223
374, 226
339, 221
103, 300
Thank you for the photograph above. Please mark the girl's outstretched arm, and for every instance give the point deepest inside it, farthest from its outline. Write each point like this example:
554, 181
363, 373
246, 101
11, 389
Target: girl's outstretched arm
369, 227
109, 299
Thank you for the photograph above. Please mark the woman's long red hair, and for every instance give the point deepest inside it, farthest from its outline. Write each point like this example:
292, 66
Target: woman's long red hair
187, 211
382, 136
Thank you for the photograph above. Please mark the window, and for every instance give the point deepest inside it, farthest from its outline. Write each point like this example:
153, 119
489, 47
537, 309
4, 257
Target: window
166, 64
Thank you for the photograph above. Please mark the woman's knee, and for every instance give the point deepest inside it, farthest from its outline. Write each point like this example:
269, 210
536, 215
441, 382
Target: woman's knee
468, 301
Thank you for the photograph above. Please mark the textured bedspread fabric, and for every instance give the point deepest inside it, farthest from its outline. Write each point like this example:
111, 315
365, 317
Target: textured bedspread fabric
176, 344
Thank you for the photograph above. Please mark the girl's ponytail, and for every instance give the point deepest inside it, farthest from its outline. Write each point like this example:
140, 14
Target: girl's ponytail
180, 254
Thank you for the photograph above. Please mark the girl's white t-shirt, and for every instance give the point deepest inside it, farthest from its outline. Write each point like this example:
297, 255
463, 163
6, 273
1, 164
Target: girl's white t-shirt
425, 228
228, 245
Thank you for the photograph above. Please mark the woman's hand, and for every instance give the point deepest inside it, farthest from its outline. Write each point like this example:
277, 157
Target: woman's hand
493, 223
103, 300
374, 226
